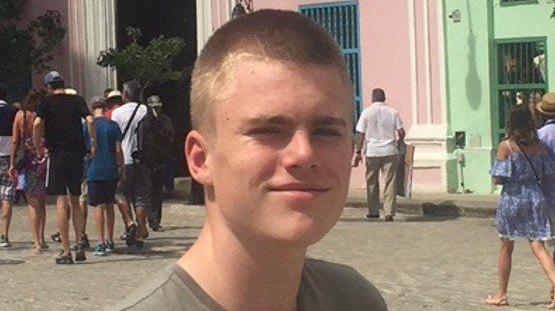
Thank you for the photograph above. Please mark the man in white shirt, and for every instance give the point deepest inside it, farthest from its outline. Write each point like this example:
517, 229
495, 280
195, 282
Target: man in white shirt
380, 129
136, 177
7, 191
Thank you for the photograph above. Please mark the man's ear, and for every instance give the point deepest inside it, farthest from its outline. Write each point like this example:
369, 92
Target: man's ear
196, 153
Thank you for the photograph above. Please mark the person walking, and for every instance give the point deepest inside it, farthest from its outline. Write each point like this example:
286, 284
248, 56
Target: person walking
157, 173
379, 131
7, 184
545, 110
33, 167
102, 177
136, 184
521, 165
59, 118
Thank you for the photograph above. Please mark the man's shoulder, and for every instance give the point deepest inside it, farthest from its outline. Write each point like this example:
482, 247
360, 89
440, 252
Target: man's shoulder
149, 296
343, 283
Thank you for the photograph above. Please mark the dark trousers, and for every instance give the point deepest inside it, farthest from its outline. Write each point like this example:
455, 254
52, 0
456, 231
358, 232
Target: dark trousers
155, 210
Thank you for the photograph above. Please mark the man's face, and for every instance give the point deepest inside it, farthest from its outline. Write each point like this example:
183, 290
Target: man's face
280, 154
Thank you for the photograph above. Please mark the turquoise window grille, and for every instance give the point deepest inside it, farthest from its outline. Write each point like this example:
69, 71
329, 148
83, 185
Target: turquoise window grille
521, 70
516, 2
16, 87
341, 20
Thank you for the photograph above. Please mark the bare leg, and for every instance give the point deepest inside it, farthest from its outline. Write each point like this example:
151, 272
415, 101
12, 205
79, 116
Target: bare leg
99, 217
84, 214
62, 215
504, 265
141, 222
41, 213
125, 211
110, 222
34, 220
545, 260
77, 217
6, 216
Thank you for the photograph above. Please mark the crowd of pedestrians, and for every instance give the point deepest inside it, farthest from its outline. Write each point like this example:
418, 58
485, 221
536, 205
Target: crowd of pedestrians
84, 154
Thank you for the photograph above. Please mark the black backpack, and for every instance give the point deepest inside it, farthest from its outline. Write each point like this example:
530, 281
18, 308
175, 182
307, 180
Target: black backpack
154, 148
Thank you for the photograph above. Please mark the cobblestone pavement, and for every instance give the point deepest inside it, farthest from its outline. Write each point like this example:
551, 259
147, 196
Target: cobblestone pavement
418, 264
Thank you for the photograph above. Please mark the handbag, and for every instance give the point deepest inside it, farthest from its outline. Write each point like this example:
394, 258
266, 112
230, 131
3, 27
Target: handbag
538, 179
20, 152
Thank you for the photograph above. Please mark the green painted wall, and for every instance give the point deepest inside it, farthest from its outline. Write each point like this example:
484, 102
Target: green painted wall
468, 87
470, 77
528, 20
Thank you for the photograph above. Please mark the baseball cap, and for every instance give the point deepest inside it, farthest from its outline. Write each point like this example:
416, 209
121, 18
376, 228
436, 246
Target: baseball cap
52, 76
96, 102
114, 93
154, 101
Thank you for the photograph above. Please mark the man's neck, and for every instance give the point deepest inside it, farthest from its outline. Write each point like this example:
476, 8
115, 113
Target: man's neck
242, 277
58, 91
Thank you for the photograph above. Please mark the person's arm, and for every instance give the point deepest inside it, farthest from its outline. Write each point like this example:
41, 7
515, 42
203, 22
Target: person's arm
503, 152
92, 134
15, 142
38, 132
358, 148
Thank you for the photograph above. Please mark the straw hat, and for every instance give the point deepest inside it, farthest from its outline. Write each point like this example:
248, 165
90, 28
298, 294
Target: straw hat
547, 104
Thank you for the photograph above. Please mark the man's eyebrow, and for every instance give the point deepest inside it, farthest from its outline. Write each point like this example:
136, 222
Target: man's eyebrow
284, 120
328, 120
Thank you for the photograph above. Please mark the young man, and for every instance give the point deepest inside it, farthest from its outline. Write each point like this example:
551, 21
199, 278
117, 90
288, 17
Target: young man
272, 109
158, 174
7, 189
136, 177
379, 131
59, 118
102, 176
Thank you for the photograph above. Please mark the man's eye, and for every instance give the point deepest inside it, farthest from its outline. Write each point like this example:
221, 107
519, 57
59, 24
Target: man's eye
265, 131
328, 132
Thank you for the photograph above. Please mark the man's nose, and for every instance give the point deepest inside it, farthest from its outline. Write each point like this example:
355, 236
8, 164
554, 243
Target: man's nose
300, 152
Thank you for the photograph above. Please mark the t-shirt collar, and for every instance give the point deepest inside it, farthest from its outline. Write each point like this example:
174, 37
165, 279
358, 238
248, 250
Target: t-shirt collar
378, 103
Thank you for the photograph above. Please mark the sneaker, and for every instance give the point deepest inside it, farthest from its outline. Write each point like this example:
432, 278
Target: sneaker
80, 253
109, 247
130, 235
56, 237
4, 242
99, 250
372, 216
137, 246
64, 259
156, 227
389, 218
85, 241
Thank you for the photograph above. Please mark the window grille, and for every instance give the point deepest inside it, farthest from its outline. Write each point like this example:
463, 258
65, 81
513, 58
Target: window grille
341, 20
521, 75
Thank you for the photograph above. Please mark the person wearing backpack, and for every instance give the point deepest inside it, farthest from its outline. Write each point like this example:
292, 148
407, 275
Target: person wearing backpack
135, 180
161, 131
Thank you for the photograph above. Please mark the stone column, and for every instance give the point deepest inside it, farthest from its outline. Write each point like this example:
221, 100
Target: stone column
92, 28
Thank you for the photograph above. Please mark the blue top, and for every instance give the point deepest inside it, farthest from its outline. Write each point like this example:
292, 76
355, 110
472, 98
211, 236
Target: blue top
547, 135
104, 166
522, 209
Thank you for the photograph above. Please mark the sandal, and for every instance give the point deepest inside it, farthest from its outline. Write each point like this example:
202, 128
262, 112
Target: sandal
552, 304
496, 301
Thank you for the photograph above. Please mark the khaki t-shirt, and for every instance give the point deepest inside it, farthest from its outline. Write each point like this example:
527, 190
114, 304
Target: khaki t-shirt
324, 287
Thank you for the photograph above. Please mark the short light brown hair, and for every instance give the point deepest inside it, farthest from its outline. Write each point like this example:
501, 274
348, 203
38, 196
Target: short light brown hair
265, 35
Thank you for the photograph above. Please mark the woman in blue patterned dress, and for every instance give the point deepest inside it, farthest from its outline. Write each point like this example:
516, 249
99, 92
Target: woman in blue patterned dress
521, 163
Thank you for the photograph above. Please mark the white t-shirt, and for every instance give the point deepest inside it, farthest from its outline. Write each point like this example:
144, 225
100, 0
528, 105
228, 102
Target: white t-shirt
379, 123
121, 116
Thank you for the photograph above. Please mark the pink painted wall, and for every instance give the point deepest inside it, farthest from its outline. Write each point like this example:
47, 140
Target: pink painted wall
385, 58
34, 8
